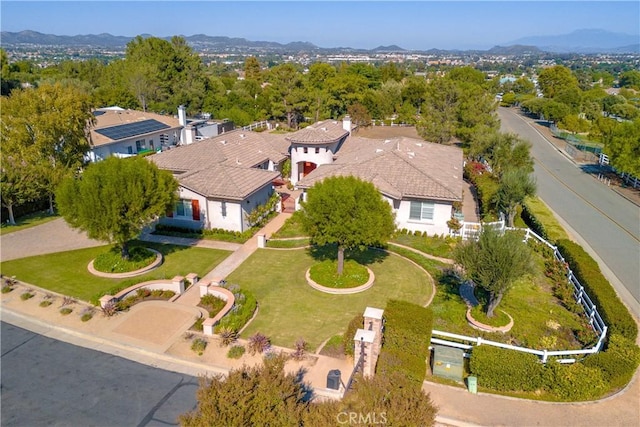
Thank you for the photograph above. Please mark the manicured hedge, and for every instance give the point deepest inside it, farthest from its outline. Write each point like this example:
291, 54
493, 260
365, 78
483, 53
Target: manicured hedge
613, 311
618, 362
506, 370
532, 222
347, 338
406, 340
486, 186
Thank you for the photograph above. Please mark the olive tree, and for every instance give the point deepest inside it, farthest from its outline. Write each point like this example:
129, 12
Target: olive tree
495, 262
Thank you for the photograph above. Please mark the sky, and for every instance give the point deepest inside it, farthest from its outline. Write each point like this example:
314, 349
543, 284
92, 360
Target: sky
415, 25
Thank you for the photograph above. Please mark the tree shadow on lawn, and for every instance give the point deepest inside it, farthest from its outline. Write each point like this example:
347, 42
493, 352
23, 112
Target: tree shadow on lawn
164, 248
330, 252
449, 284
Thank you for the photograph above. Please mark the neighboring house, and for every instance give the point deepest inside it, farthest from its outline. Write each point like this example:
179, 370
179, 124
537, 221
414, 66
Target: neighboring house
222, 179
420, 180
197, 129
123, 133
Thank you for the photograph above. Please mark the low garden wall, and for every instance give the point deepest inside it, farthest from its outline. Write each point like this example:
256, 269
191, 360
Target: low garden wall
177, 285
155, 264
213, 288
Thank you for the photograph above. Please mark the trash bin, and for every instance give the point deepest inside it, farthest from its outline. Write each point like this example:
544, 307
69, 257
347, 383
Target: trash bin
333, 379
472, 384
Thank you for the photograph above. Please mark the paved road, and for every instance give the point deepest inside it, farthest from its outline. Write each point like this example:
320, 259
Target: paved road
602, 221
48, 382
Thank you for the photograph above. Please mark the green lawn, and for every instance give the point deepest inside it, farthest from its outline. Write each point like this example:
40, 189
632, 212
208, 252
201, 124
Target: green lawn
438, 246
66, 272
292, 227
27, 221
290, 309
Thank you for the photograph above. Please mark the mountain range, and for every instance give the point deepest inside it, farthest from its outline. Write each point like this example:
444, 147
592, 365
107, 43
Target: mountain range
579, 41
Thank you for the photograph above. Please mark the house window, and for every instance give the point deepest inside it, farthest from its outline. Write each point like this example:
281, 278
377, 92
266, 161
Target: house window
421, 211
140, 145
130, 149
223, 209
305, 150
317, 150
183, 208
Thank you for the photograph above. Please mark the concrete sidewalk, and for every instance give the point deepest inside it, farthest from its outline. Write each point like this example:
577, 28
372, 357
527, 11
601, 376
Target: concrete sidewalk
460, 407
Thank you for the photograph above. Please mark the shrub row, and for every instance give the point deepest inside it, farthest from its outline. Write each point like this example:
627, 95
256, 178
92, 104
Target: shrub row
241, 312
618, 362
406, 340
217, 233
507, 370
533, 222
613, 311
486, 186
356, 323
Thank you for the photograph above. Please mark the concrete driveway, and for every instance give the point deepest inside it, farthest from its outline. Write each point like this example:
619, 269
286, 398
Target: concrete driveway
50, 237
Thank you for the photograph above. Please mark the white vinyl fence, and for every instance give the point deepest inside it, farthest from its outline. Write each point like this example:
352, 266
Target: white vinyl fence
581, 297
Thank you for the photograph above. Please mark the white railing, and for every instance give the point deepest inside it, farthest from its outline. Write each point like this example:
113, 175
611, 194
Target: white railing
581, 297
257, 125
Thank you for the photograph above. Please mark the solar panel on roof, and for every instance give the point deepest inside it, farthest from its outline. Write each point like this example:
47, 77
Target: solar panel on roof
132, 129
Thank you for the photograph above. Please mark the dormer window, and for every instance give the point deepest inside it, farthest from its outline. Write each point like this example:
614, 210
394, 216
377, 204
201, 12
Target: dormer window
305, 150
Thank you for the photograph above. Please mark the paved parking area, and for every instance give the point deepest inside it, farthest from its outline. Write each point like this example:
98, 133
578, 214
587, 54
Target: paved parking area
46, 382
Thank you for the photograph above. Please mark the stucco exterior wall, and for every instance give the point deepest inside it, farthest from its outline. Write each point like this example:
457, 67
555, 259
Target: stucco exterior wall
441, 214
323, 157
215, 213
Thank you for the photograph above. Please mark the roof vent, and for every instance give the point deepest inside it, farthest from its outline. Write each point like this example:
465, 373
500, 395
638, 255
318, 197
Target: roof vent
386, 141
223, 142
379, 150
242, 135
323, 128
411, 154
419, 144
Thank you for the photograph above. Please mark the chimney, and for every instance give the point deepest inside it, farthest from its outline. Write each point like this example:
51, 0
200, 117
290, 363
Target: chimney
346, 123
182, 115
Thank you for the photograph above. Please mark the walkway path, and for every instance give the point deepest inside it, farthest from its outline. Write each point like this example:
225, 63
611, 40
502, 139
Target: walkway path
233, 261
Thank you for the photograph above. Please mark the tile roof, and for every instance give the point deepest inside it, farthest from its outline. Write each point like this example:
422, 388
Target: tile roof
234, 148
224, 166
325, 132
400, 168
109, 117
227, 182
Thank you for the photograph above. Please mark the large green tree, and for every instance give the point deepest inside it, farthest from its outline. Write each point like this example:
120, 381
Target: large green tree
495, 262
18, 177
348, 212
49, 122
115, 199
555, 80
623, 146
287, 93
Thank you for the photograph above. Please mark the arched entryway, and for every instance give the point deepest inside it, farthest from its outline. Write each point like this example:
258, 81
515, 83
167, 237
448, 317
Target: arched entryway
305, 168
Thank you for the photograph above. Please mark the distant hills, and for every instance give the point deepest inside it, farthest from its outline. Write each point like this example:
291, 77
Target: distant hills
584, 41
579, 41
